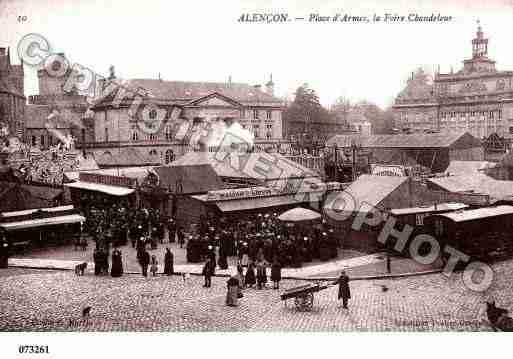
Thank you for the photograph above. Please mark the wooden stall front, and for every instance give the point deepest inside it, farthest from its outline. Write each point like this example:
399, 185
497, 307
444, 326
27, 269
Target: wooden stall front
484, 234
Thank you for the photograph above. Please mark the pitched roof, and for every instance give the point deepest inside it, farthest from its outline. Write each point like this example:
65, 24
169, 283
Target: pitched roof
183, 92
368, 190
260, 166
422, 140
440, 207
125, 157
189, 179
476, 183
468, 167
463, 216
21, 196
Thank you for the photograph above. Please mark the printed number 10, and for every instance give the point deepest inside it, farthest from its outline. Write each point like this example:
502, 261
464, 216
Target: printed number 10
22, 18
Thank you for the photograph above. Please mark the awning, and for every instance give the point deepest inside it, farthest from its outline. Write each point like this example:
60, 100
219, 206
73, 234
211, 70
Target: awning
259, 202
30, 211
112, 190
41, 222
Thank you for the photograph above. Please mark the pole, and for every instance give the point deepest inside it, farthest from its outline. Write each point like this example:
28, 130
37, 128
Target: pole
354, 161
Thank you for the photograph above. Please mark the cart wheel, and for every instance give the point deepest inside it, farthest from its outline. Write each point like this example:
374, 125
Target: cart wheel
304, 302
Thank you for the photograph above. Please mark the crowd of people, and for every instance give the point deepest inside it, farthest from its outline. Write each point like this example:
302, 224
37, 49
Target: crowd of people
260, 244
261, 235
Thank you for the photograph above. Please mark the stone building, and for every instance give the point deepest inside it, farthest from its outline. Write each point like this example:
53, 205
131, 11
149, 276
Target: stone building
54, 114
477, 99
178, 108
12, 99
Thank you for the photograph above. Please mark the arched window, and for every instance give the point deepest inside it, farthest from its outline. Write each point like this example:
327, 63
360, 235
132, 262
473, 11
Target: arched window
153, 152
170, 156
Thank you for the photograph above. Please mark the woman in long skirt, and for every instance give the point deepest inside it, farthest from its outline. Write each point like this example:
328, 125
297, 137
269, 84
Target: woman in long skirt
154, 265
232, 292
250, 276
117, 264
168, 262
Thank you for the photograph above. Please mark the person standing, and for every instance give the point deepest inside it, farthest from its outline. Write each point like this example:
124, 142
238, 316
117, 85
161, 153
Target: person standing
208, 272
240, 278
97, 262
261, 274
276, 273
232, 291
144, 261
171, 229
250, 275
168, 262
181, 237
117, 264
154, 265
344, 292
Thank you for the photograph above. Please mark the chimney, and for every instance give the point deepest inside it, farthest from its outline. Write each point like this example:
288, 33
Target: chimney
270, 86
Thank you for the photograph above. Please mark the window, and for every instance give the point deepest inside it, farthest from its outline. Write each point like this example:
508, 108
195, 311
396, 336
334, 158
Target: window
152, 137
269, 114
169, 133
511, 130
42, 140
33, 140
106, 134
256, 130
153, 114
153, 153
50, 140
170, 156
255, 114
134, 135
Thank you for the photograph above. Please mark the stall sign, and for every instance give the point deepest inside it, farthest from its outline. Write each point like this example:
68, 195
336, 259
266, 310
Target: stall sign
254, 192
108, 180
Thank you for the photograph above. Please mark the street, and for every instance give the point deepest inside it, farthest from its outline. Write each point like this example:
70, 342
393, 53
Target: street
45, 300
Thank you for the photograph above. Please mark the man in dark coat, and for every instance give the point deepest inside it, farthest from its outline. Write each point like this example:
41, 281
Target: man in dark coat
168, 262
276, 273
343, 288
144, 261
208, 272
117, 264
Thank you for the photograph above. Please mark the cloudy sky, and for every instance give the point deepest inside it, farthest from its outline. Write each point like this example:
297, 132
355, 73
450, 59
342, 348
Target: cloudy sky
202, 41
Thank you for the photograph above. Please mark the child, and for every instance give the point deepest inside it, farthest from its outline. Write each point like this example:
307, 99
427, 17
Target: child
154, 265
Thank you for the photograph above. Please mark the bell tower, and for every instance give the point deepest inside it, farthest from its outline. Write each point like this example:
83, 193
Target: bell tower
479, 43
480, 62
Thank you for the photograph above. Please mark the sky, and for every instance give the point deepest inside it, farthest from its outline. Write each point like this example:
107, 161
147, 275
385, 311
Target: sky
203, 41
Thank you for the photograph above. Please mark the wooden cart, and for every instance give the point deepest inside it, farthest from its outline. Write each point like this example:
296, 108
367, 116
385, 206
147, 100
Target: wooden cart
303, 295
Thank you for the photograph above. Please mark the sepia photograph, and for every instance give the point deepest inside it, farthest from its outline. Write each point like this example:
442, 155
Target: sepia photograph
253, 167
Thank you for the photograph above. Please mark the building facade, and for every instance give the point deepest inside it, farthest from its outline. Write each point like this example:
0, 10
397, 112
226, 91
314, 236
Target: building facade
54, 114
477, 99
180, 110
12, 99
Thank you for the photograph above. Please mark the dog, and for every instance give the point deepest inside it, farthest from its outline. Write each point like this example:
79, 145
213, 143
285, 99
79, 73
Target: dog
185, 276
498, 318
86, 312
80, 268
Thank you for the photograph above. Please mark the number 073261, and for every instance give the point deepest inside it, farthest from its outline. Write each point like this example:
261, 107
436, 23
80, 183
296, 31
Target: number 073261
33, 349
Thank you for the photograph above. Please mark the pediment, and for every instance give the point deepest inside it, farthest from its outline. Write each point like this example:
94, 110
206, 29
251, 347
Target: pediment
215, 100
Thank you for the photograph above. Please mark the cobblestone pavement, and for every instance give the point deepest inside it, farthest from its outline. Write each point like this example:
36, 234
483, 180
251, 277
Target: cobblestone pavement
51, 300
67, 257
